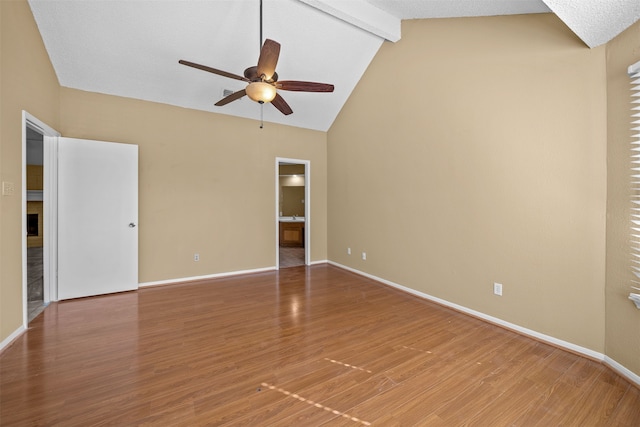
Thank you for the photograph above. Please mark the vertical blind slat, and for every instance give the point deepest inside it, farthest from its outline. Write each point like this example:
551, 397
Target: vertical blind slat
634, 236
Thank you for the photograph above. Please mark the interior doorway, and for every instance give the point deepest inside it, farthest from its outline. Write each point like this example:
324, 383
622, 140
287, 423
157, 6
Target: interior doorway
38, 213
292, 213
35, 222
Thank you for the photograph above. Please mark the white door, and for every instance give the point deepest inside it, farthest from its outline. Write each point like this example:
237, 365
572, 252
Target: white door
97, 217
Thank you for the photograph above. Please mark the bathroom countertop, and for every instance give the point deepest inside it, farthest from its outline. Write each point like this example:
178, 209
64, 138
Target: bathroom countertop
291, 219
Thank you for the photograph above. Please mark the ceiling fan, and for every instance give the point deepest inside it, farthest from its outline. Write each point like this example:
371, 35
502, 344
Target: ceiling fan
262, 79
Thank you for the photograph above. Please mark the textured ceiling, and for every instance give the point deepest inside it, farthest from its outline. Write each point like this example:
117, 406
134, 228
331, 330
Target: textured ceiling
596, 21
132, 48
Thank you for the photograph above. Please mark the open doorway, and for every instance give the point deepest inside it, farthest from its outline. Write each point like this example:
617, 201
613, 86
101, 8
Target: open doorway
35, 222
292, 213
38, 215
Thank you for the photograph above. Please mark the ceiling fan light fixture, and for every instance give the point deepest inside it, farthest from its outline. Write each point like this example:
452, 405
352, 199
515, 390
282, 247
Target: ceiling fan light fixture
261, 92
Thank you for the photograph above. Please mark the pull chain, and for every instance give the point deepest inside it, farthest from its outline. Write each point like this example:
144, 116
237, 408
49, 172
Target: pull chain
261, 116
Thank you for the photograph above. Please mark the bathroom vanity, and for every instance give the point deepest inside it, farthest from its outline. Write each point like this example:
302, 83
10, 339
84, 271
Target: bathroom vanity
292, 231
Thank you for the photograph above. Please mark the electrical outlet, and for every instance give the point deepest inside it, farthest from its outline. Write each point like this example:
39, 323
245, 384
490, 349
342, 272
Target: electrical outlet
364, 256
196, 257
348, 251
497, 289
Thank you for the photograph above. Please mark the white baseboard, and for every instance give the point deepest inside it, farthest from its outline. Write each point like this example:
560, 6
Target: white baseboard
208, 276
621, 370
8, 340
215, 276
529, 332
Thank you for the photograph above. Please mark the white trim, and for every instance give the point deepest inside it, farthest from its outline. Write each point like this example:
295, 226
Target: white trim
50, 252
307, 212
277, 193
621, 370
362, 15
633, 69
205, 277
8, 340
324, 261
23, 222
529, 332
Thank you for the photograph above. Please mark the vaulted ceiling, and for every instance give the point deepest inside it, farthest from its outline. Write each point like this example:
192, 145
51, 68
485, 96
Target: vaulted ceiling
132, 48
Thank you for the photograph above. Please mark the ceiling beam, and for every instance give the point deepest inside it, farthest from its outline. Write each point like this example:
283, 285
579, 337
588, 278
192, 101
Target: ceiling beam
362, 15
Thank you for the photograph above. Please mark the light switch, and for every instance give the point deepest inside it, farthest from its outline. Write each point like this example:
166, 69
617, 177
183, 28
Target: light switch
8, 189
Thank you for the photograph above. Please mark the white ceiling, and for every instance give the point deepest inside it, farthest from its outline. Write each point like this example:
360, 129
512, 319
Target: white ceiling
132, 48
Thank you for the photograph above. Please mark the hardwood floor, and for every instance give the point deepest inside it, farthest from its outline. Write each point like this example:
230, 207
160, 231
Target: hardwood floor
305, 346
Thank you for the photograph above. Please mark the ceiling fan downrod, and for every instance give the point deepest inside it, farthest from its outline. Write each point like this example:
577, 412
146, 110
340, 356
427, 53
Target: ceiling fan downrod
262, 77
260, 40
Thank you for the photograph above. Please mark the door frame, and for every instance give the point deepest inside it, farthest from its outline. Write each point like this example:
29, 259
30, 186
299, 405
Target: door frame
49, 193
307, 207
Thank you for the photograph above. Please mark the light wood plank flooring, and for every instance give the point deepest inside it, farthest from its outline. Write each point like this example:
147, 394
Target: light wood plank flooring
305, 346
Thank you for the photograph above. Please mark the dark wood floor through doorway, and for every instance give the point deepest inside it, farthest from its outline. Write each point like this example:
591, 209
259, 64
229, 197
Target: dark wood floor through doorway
312, 346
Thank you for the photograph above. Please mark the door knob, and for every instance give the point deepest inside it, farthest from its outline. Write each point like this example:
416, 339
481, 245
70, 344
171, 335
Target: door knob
132, 224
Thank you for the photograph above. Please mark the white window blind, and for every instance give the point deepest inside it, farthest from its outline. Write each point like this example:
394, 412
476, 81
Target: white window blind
634, 73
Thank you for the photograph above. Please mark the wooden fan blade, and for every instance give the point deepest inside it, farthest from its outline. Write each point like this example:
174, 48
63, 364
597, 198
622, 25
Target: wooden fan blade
213, 70
281, 105
227, 99
268, 59
304, 86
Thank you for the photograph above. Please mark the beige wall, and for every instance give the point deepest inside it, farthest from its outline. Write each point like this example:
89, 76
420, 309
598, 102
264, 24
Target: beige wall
473, 151
27, 82
207, 181
622, 319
